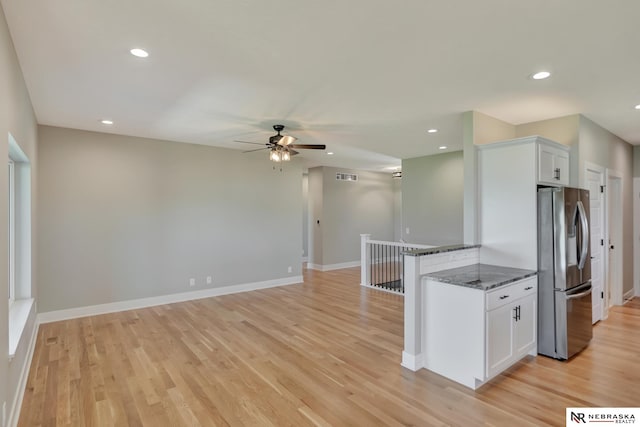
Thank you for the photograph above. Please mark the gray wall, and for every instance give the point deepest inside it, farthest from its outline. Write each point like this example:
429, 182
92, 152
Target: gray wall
432, 199
16, 117
124, 218
346, 210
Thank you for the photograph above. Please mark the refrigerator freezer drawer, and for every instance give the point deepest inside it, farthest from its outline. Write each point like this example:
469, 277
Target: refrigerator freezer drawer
574, 329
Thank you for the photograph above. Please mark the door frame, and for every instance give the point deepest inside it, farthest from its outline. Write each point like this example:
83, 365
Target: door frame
603, 253
613, 196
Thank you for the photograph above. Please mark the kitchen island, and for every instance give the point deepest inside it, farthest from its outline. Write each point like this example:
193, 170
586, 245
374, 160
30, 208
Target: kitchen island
465, 320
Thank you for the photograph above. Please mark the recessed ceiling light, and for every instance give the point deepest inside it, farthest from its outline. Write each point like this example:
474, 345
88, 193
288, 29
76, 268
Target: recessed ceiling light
106, 122
432, 130
637, 107
330, 153
541, 75
442, 147
140, 53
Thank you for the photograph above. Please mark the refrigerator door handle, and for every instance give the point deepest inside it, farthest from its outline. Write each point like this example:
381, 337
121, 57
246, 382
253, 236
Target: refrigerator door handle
580, 295
584, 251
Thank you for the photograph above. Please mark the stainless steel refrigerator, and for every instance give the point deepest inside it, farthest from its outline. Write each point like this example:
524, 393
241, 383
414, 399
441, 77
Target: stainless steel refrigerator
564, 272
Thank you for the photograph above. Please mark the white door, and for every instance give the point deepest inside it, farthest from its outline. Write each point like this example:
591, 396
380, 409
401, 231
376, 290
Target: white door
594, 178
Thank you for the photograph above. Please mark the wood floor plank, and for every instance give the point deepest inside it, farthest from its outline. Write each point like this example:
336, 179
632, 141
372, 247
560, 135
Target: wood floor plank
326, 352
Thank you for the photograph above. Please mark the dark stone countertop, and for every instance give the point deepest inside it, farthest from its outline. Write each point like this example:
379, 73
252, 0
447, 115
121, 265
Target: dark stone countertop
481, 276
439, 250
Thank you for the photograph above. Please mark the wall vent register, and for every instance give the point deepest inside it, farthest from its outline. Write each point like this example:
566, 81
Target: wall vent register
346, 177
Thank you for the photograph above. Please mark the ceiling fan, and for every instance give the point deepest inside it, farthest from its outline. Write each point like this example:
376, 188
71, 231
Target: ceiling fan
282, 147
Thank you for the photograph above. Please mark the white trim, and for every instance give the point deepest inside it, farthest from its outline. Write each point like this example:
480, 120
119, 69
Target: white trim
305, 258
377, 288
329, 267
14, 413
412, 361
93, 310
400, 244
628, 295
18, 316
521, 141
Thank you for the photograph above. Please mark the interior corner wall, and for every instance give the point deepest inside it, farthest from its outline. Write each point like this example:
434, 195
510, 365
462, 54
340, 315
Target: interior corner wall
18, 119
125, 218
487, 129
433, 199
601, 147
351, 208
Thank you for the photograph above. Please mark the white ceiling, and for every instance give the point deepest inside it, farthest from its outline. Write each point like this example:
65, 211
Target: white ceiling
365, 77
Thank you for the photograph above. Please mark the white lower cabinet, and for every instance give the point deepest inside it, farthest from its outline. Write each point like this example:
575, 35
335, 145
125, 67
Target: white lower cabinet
511, 331
470, 335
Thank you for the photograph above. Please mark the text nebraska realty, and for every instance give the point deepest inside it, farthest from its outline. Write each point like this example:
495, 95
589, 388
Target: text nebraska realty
612, 418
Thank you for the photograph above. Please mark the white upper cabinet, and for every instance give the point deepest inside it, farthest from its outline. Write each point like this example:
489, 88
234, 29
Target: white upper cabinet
553, 164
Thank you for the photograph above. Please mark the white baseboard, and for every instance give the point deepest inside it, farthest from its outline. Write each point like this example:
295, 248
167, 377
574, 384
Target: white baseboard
329, 267
412, 361
628, 295
93, 310
14, 411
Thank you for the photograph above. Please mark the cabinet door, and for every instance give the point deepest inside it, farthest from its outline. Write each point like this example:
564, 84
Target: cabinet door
553, 165
499, 338
525, 327
546, 164
561, 163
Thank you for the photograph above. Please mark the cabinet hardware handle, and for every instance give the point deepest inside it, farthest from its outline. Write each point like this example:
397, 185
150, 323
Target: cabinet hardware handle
516, 313
528, 288
504, 296
556, 173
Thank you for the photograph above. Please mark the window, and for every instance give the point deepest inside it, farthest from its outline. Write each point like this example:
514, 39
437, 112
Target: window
12, 232
19, 243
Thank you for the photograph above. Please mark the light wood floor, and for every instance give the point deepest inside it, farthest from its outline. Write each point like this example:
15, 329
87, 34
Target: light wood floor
326, 352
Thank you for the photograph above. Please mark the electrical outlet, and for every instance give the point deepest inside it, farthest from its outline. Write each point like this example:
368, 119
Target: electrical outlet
192, 282
407, 230
209, 280
289, 270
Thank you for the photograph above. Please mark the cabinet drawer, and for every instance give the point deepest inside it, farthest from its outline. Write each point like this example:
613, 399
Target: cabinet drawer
505, 294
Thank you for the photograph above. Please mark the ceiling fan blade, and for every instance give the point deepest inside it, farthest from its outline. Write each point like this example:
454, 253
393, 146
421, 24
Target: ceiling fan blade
293, 152
247, 142
309, 146
257, 149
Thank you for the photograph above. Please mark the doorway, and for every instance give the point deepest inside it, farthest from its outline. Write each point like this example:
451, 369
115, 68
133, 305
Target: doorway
595, 181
